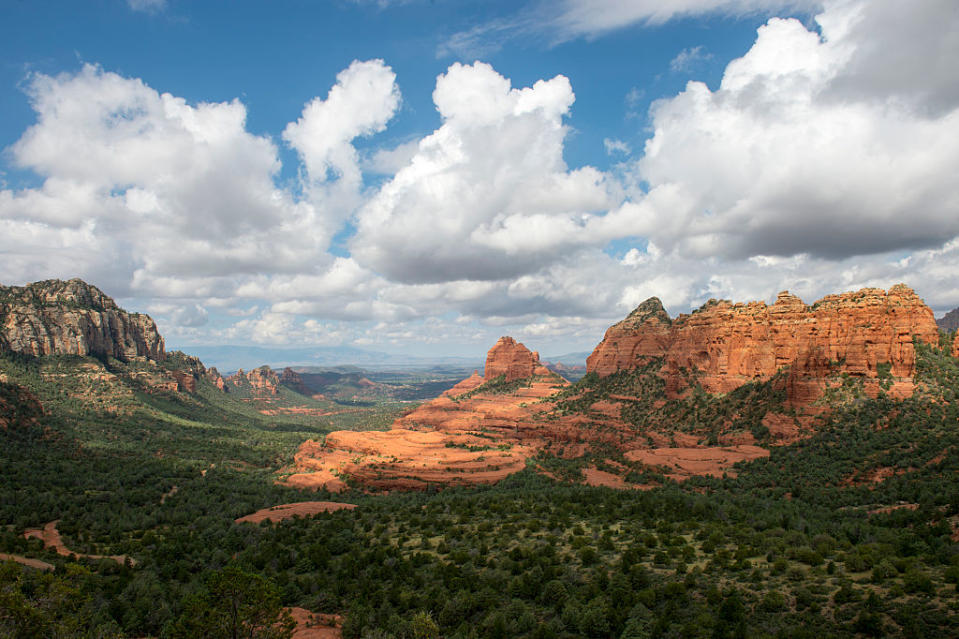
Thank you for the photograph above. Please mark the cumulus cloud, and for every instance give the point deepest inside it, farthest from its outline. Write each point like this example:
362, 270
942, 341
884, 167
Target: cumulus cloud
143, 191
362, 101
821, 163
487, 196
785, 158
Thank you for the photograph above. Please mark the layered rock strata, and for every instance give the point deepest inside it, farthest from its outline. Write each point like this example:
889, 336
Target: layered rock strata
73, 318
867, 334
472, 434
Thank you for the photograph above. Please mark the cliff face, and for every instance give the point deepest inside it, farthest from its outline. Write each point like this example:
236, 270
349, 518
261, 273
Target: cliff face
865, 334
644, 334
510, 358
955, 346
73, 318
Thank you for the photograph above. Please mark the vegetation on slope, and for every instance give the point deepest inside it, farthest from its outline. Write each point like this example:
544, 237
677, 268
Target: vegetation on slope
848, 533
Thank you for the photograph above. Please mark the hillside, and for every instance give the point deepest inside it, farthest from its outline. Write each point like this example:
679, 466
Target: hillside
663, 398
764, 510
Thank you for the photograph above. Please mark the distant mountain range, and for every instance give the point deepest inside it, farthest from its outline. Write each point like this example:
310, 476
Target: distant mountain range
232, 357
950, 321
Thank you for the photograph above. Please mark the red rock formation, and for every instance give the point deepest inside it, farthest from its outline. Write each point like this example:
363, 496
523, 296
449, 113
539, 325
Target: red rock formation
643, 335
955, 346
291, 379
465, 436
73, 318
262, 380
510, 358
185, 382
731, 344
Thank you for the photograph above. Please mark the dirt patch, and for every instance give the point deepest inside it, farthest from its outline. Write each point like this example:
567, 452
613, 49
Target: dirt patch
315, 625
301, 509
168, 494
885, 510
593, 476
26, 561
50, 537
683, 463
873, 476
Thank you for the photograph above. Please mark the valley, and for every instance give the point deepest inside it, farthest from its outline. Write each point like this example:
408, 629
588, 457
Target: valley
747, 470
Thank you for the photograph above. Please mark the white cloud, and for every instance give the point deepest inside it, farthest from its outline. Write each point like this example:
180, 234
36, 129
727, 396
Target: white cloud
589, 18
143, 191
364, 98
688, 58
785, 159
614, 146
823, 162
389, 161
487, 196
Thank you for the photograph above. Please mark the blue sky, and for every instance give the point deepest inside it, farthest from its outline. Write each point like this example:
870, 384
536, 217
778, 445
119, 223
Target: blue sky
284, 174
277, 56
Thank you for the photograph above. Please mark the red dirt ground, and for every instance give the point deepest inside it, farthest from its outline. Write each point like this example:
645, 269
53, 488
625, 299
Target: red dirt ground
50, 537
26, 561
683, 463
286, 511
314, 625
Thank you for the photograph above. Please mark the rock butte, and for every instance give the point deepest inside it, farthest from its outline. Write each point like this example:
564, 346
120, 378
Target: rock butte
732, 344
477, 434
468, 435
510, 359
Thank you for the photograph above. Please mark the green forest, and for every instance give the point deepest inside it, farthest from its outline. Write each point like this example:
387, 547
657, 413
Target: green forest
804, 543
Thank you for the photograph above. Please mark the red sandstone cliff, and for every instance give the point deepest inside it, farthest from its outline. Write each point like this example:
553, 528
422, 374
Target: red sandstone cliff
510, 358
731, 344
955, 346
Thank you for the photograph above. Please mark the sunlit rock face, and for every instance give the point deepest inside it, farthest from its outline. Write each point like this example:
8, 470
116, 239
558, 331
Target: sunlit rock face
867, 333
54, 317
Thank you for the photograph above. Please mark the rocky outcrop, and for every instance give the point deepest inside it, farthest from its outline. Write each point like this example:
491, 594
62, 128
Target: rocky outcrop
187, 370
511, 359
950, 321
955, 346
292, 380
73, 318
259, 381
474, 433
644, 334
867, 334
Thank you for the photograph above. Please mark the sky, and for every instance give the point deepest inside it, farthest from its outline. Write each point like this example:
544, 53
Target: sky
423, 176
